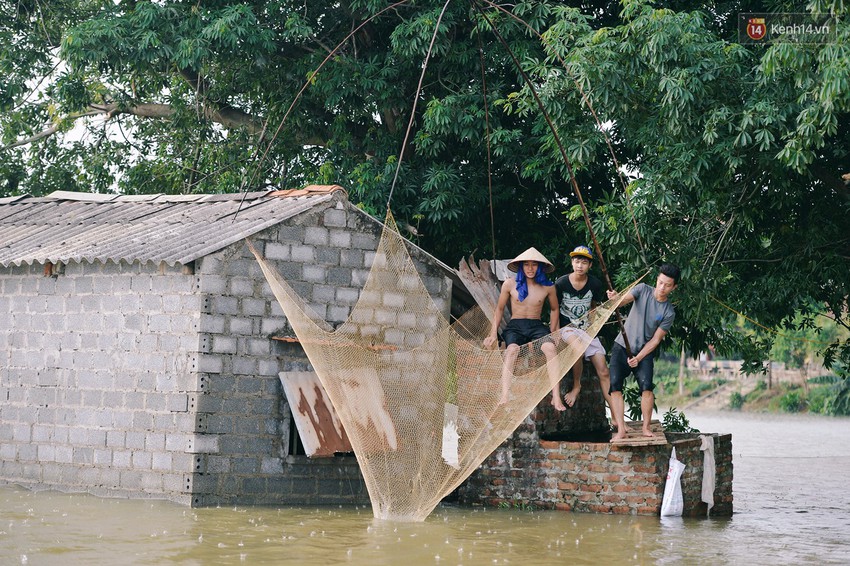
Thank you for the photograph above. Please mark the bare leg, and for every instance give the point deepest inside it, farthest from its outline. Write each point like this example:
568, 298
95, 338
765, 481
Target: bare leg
647, 400
508, 371
554, 375
618, 410
601, 368
572, 395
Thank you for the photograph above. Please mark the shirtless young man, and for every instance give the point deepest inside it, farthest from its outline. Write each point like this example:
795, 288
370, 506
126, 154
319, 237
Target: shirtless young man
527, 294
578, 293
648, 322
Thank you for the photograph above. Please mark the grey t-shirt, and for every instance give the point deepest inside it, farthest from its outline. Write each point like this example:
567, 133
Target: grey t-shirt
647, 316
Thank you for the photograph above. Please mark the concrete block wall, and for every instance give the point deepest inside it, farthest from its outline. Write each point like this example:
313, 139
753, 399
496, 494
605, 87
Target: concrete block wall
97, 378
148, 381
596, 477
242, 416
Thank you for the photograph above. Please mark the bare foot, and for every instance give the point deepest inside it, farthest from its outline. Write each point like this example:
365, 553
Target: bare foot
556, 402
571, 397
647, 432
618, 436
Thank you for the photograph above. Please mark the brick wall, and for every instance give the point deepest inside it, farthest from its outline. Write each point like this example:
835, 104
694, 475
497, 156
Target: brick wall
596, 477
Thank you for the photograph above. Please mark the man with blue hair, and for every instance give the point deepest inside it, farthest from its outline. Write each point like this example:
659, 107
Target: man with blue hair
527, 293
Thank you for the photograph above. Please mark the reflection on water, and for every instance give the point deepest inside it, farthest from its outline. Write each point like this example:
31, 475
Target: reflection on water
792, 506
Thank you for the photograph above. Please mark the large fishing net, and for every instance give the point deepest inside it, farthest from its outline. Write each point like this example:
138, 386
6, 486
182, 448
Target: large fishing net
422, 402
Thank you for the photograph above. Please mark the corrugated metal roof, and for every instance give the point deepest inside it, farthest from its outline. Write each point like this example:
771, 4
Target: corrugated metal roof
81, 227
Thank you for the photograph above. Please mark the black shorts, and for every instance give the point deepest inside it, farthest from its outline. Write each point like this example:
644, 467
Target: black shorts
521, 331
620, 369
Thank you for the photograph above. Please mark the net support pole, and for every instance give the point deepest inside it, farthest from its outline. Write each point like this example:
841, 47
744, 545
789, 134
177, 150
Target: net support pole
567, 162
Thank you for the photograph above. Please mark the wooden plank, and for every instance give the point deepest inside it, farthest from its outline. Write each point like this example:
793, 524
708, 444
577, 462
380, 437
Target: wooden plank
483, 285
635, 437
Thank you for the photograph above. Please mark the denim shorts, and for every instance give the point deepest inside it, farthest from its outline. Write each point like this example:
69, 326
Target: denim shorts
620, 370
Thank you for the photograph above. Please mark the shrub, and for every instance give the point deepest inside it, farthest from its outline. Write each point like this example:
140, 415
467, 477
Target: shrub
631, 397
792, 402
839, 404
675, 421
736, 401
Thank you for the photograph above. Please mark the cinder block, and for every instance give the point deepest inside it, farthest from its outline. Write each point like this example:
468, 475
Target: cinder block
243, 365
161, 461
40, 433
240, 326
253, 307
209, 364
314, 273
225, 305
45, 453
272, 466
83, 455
173, 483
303, 254
178, 402
121, 459
96, 437
176, 442
258, 347
224, 345
141, 460
102, 457
213, 284
135, 440
316, 235
203, 444
212, 324
155, 441
64, 454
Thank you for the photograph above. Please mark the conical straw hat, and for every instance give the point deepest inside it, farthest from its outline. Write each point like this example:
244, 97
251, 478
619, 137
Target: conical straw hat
531, 254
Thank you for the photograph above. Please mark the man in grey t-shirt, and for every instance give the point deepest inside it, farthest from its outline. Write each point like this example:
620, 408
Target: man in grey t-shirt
648, 322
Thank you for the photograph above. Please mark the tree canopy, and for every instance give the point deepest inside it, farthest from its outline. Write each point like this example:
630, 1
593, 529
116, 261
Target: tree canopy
688, 146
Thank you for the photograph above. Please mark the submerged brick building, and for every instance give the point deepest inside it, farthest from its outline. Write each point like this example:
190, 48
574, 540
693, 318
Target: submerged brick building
141, 347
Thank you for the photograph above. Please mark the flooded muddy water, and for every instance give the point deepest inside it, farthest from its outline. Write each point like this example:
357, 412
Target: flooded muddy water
792, 506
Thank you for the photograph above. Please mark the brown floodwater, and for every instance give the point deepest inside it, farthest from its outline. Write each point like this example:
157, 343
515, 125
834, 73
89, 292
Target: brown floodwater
792, 506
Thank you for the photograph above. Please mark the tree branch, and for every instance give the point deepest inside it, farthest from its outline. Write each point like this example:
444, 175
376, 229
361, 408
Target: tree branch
224, 114
46, 133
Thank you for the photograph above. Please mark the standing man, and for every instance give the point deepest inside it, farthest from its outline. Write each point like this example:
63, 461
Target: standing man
648, 322
579, 293
527, 293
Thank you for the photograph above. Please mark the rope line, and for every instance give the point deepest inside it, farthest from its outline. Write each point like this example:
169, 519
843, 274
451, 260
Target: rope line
772, 330
586, 99
304, 87
487, 138
416, 101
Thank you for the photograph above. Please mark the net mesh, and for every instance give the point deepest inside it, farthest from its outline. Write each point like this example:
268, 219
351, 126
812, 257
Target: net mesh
422, 402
